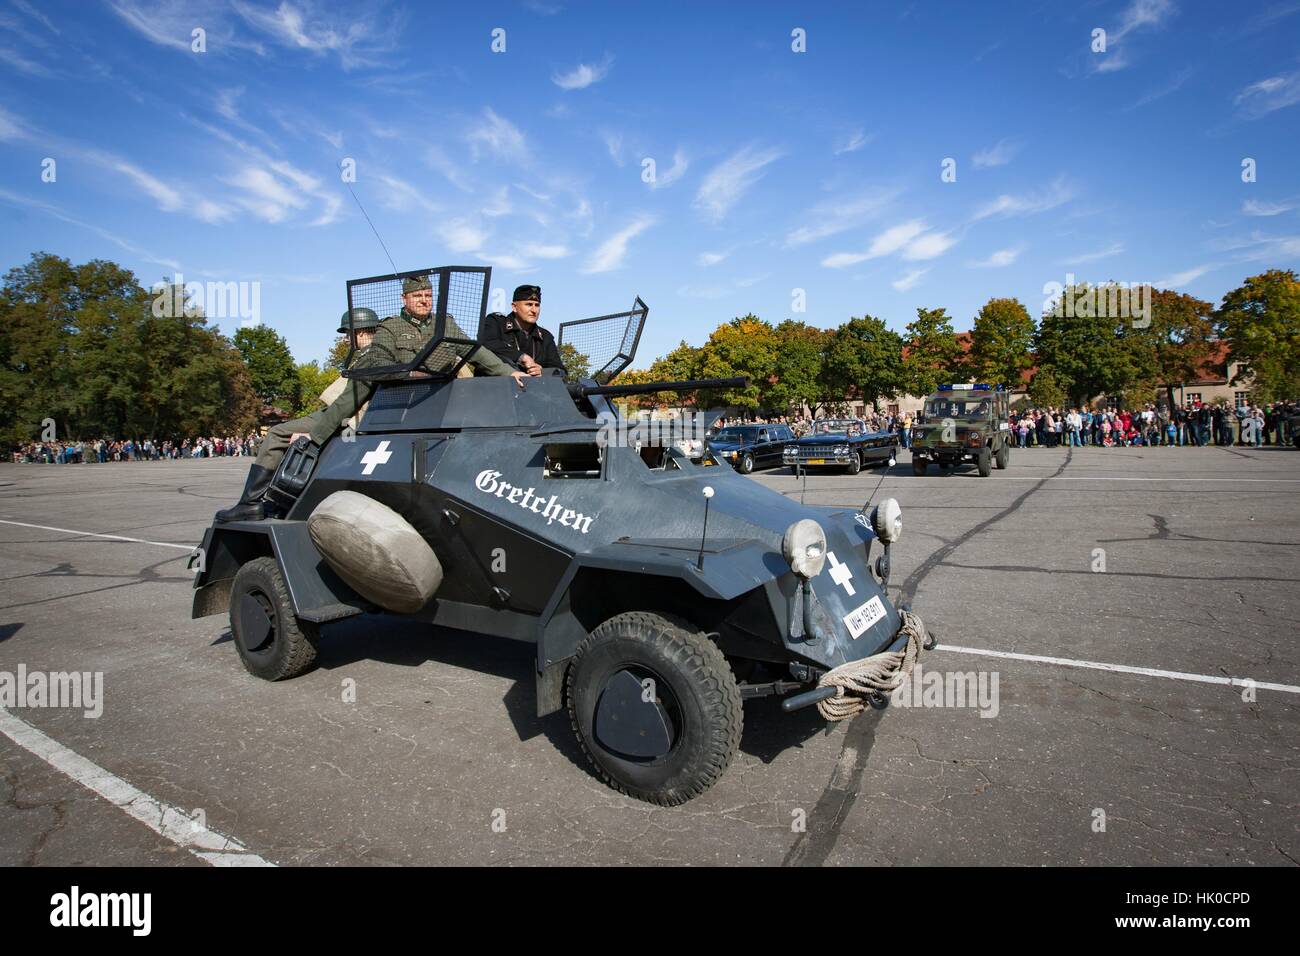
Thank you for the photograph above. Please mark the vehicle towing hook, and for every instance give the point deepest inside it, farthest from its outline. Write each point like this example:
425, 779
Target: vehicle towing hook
808, 698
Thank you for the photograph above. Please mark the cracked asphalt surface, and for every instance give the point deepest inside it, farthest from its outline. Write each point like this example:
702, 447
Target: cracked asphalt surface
1200, 577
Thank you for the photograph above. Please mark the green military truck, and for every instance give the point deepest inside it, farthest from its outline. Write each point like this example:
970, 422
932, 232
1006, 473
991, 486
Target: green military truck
963, 425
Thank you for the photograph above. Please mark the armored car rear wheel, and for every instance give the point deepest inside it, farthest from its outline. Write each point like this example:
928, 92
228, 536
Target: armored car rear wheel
272, 643
655, 706
919, 466
984, 461
1003, 456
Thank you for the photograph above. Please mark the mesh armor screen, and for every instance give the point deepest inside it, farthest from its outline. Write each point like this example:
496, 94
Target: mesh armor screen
458, 291
603, 346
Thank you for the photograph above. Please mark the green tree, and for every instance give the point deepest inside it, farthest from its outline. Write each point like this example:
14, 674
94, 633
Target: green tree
1088, 353
1261, 323
86, 346
798, 366
1002, 342
338, 356
576, 364
270, 365
681, 364
933, 353
864, 359
1045, 391
746, 346
312, 380
1179, 338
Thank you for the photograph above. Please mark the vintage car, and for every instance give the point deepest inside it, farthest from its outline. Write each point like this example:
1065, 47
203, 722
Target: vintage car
963, 425
655, 592
845, 443
747, 447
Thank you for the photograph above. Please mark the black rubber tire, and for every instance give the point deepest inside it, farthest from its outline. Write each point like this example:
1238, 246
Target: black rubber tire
701, 683
919, 467
746, 463
1001, 459
984, 461
855, 466
290, 649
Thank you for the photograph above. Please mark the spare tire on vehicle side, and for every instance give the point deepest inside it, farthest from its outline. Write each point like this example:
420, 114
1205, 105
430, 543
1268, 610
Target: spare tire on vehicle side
376, 551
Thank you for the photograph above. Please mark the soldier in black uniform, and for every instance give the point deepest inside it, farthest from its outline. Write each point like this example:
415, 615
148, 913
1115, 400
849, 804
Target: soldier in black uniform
518, 338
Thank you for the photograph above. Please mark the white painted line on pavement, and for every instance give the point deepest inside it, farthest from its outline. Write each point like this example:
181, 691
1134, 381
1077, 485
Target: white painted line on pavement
175, 825
93, 534
1123, 669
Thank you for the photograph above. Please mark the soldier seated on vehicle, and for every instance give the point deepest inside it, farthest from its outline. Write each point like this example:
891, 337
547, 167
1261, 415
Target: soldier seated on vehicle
519, 338
362, 328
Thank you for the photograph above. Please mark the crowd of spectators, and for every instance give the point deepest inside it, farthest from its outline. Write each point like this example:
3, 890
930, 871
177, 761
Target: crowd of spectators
104, 450
1195, 423
1191, 424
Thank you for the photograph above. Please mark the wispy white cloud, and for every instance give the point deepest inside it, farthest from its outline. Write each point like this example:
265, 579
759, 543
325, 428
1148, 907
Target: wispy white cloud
21, 63
357, 38
462, 235
583, 75
540, 250
707, 259
401, 196
1056, 194
1003, 257
909, 280
1114, 249
840, 214
1254, 207
614, 146
1184, 277
1174, 85
265, 196
851, 143
609, 255
727, 182
1138, 15
999, 154
438, 161
931, 245
11, 128
57, 213
497, 137
892, 240
36, 15
1265, 96
170, 23
673, 173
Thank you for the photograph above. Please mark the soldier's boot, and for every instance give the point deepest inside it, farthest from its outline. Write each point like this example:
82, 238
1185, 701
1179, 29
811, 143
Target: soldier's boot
252, 505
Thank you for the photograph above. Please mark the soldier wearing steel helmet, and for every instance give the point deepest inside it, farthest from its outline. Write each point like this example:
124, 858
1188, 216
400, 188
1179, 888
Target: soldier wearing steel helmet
398, 340
361, 324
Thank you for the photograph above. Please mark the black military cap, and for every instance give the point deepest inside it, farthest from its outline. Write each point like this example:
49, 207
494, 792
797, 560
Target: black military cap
528, 293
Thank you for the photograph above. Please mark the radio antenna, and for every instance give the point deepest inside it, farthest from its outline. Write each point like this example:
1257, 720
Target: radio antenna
373, 229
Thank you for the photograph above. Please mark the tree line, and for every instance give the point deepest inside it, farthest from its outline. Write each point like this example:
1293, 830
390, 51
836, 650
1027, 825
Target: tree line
82, 348
1081, 347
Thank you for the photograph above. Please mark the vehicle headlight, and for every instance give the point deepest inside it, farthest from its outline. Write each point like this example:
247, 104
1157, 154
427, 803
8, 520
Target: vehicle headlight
804, 547
975, 438
841, 449
789, 453
887, 520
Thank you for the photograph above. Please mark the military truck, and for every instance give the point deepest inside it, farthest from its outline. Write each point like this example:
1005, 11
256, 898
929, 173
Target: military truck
963, 425
659, 591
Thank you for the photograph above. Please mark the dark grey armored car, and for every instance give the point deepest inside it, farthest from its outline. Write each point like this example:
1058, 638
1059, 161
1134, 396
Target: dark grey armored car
660, 590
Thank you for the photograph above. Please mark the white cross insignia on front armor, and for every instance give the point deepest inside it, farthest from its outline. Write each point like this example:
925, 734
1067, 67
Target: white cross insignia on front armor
380, 456
840, 573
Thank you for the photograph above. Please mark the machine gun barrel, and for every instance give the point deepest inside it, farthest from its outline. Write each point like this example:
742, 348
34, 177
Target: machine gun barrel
647, 388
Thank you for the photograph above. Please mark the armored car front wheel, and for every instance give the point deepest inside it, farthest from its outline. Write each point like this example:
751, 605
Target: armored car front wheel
655, 706
272, 643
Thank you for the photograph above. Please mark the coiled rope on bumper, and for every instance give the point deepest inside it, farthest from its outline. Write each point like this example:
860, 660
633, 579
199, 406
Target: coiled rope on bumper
879, 673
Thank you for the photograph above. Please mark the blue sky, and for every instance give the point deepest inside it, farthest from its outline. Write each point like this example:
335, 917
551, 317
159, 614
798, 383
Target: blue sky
775, 170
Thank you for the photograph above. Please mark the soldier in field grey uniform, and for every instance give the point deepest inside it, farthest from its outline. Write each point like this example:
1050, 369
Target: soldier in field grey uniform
398, 340
277, 440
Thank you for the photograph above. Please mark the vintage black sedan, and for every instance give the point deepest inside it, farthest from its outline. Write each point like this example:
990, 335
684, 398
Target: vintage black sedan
840, 443
747, 447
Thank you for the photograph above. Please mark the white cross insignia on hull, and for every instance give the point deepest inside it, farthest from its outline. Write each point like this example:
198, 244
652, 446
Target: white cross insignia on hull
380, 456
840, 573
